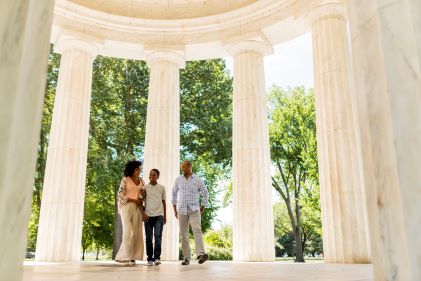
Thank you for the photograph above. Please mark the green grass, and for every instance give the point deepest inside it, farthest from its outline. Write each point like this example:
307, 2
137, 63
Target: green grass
307, 259
280, 259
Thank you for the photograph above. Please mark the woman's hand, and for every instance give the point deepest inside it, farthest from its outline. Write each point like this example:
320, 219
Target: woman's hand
145, 217
136, 201
143, 192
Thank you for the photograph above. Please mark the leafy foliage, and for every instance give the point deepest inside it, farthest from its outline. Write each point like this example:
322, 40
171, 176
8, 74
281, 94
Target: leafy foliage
219, 243
206, 125
117, 133
227, 199
294, 153
221, 254
50, 90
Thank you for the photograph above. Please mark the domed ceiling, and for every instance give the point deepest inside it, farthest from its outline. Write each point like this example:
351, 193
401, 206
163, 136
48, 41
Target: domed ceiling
164, 9
200, 29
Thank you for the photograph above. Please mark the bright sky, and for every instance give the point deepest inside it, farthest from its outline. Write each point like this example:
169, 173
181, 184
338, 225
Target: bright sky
291, 65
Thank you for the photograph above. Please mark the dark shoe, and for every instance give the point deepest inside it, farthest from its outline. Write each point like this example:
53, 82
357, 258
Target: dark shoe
202, 258
157, 262
186, 261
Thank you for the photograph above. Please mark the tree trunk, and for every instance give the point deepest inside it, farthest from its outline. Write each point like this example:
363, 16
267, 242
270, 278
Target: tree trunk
299, 249
296, 225
118, 227
83, 253
304, 239
299, 254
97, 253
294, 218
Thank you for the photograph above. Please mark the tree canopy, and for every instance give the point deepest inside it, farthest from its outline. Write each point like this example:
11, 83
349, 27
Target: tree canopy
206, 125
293, 143
117, 133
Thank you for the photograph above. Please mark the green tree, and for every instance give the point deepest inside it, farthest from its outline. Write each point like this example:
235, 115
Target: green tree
206, 125
219, 243
284, 236
294, 152
88, 229
50, 90
311, 228
117, 133
227, 199
118, 121
311, 221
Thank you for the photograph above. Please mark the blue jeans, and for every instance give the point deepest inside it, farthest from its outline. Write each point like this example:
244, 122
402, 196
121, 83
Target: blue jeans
153, 227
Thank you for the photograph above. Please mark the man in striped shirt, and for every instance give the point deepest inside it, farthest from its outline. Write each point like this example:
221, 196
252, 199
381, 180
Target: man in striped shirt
187, 209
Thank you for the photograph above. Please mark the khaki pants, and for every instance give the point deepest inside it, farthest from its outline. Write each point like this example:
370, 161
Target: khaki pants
132, 245
193, 218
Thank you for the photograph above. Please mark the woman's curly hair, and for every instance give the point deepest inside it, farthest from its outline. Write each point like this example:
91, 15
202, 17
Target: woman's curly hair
130, 167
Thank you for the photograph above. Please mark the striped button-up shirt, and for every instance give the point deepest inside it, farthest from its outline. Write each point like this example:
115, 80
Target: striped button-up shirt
186, 194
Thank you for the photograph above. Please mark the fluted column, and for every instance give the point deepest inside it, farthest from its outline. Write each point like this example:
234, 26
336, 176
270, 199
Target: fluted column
386, 41
253, 236
61, 217
24, 31
162, 141
341, 186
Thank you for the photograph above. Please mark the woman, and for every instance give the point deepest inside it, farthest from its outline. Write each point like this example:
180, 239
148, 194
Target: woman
130, 205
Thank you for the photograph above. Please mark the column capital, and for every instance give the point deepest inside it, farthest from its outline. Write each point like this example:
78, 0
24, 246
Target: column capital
68, 43
170, 56
262, 48
321, 8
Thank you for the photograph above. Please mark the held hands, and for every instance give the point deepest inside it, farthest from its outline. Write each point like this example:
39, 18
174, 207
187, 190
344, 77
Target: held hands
176, 214
202, 209
136, 201
143, 192
145, 217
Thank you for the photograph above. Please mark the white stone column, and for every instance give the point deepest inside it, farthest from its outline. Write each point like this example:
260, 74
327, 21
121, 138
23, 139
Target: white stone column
162, 141
24, 31
61, 217
253, 236
386, 41
341, 186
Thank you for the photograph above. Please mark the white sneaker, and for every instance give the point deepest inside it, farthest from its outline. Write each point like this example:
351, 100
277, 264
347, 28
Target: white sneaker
157, 262
150, 263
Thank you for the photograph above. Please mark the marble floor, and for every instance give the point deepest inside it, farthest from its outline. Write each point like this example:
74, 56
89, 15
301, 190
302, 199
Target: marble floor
212, 271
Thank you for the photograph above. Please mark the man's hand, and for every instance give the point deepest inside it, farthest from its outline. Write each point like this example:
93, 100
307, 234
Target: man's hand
165, 219
175, 211
202, 209
145, 217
